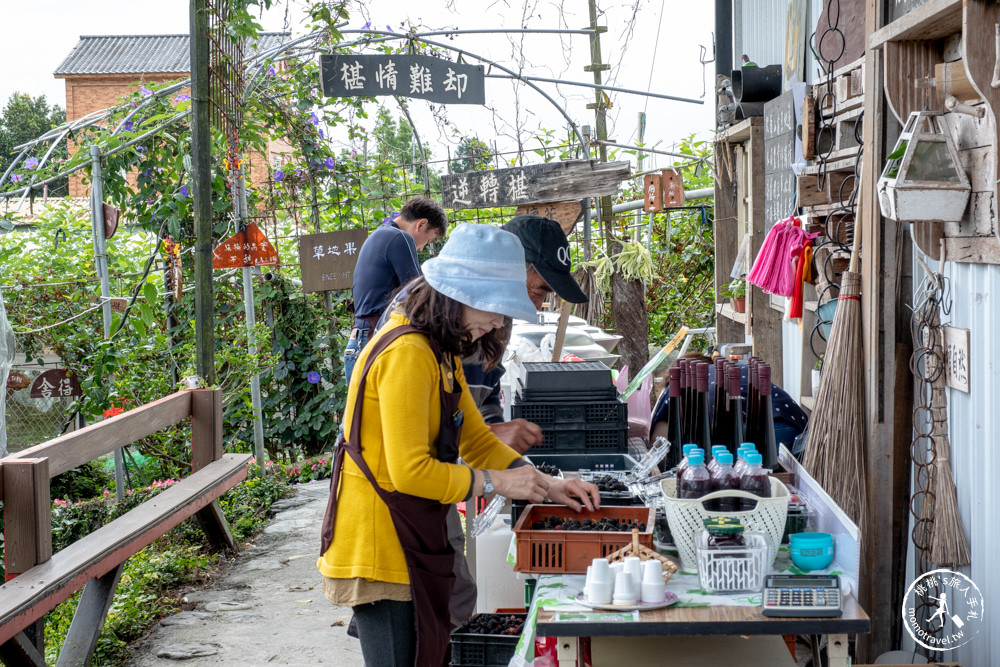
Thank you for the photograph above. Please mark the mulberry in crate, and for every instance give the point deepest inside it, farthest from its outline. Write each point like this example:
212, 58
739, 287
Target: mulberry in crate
603, 524
493, 624
550, 470
609, 484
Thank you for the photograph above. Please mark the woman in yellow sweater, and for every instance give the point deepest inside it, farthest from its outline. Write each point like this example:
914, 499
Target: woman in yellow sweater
409, 418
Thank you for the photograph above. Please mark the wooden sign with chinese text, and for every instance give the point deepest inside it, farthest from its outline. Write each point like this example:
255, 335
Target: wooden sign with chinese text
245, 248
17, 380
566, 213
328, 259
554, 181
56, 383
652, 193
673, 188
118, 304
424, 77
956, 355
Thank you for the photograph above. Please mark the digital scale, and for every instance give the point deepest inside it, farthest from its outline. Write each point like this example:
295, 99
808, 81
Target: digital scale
801, 595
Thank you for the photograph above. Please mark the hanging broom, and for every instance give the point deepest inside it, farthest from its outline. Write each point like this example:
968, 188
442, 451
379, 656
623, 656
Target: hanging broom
948, 543
835, 450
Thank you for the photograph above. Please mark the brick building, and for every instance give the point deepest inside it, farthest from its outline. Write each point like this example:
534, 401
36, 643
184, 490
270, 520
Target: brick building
103, 68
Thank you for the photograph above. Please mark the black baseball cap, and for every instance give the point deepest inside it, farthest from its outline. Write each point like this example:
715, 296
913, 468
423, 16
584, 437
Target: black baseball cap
545, 246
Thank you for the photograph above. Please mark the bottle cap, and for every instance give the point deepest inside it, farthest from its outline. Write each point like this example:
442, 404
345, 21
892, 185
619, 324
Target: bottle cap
754, 459
697, 458
717, 448
724, 458
686, 449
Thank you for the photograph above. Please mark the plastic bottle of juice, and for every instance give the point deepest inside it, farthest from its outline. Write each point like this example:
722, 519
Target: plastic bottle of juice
685, 450
755, 481
695, 482
740, 465
713, 465
725, 479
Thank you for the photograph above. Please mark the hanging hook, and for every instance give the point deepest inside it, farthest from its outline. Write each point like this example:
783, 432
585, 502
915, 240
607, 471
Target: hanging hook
64, 237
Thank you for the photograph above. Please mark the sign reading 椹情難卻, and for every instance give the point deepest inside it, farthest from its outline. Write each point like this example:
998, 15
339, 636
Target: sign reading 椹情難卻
423, 77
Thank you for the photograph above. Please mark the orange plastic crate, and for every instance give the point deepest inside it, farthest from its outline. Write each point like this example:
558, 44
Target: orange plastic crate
571, 551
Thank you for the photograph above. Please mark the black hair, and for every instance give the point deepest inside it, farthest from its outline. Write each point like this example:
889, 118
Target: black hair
421, 207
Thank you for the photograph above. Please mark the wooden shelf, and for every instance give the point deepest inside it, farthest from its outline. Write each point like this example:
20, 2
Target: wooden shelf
726, 310
841, 164
807, 402
932, 20
740, 131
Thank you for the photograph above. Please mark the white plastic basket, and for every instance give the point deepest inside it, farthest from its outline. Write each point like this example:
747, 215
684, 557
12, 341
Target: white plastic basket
732, 569
687, 518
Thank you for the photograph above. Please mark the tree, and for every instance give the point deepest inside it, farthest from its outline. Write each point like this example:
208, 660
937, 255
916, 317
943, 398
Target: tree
472, 154
26, 118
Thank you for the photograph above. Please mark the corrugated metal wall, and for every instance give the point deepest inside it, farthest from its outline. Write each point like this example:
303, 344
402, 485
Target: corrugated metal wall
974, 430
759, 32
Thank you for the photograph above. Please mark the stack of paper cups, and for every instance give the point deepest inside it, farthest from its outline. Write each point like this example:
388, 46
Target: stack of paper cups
599, 583
625, 592
654, 589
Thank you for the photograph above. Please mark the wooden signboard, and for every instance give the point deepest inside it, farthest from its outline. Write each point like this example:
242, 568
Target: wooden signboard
328, 259
779, 153
423, 77
956, 351
652, 193
118, 304
673, 188
245, 248
17, 380
56, 383
566, 213
554, 181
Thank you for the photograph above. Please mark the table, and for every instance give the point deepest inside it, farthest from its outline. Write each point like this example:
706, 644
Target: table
713, 620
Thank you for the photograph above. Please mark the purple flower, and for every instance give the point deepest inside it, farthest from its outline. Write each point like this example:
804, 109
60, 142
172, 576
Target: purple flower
366, 25
185, 192
315, 92
140, 149
31, 162
182, 98
16, 178
145, 92
270, 70
147, 173
279, 175
298, 172
331, 163
389, 28
313, 377
321, 134
313, 118
128, 126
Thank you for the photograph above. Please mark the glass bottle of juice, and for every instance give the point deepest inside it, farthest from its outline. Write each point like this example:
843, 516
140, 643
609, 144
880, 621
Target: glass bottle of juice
725, 479
755, 481
695, 482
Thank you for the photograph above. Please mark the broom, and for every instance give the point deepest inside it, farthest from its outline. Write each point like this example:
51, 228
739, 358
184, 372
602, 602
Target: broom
835, 454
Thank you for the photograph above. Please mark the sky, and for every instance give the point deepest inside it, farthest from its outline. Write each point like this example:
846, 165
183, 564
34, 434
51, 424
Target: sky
651, 45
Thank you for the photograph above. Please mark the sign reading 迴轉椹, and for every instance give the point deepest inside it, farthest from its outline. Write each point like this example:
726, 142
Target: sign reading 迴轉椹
419, 76
328, 259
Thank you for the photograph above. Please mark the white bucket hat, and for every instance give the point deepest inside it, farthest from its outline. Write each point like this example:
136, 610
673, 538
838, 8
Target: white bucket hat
482, 267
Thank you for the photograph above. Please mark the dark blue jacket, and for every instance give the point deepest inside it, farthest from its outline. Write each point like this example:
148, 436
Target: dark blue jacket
388, 259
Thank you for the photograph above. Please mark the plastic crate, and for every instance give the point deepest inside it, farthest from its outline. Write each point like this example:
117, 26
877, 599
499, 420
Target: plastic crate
733, 569
598, 463
580, 441
569, 377
687, 518
469, 649
578, 415
571, 551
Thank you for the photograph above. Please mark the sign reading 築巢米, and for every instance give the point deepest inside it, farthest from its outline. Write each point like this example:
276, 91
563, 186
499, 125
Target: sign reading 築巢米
328, 259
423, 77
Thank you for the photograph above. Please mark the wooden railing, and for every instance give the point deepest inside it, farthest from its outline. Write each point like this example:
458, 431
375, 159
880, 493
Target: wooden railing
38, 580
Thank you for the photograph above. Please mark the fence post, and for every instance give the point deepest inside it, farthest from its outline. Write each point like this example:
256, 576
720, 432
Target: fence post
206, 427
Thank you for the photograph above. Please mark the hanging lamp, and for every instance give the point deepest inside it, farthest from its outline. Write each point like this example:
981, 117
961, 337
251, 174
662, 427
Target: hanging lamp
923, 181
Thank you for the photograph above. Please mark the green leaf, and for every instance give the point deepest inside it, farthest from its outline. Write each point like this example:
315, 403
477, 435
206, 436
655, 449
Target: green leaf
149, 293
898, 153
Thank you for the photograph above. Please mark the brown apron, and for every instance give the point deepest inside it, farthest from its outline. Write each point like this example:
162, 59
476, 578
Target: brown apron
420, 522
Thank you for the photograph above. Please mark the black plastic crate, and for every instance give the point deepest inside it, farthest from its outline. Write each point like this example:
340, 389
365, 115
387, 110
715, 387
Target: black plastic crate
601, 414
583, 439
576, 462
570, 376
475, 650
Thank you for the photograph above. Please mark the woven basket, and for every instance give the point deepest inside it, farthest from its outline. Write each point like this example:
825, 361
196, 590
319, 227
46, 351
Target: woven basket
687, 518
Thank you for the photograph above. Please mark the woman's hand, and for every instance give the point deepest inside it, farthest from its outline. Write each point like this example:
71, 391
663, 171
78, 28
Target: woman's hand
567, 491
523, 483
518, 434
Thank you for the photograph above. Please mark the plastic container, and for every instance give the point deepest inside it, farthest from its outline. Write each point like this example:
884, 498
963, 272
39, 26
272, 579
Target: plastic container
811, 551
686, 518
579, 415
571, 551
477, 650
733, 569
589, 440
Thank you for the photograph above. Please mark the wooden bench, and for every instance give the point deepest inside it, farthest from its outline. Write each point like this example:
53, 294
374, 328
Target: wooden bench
39, 580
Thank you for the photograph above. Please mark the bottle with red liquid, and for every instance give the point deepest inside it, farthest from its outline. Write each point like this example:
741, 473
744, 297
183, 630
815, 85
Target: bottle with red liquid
702, 430
674, 427
755, 480
767, 443
695, 482
725, 479
682, 466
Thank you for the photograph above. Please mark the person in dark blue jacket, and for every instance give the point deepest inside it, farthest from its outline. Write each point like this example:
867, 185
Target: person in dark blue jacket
387, 260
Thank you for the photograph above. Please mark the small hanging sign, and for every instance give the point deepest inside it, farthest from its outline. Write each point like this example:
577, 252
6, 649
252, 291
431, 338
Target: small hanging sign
956, 352
248, 247
673, 188
56, 383
110, 220
652, 193
17, 380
